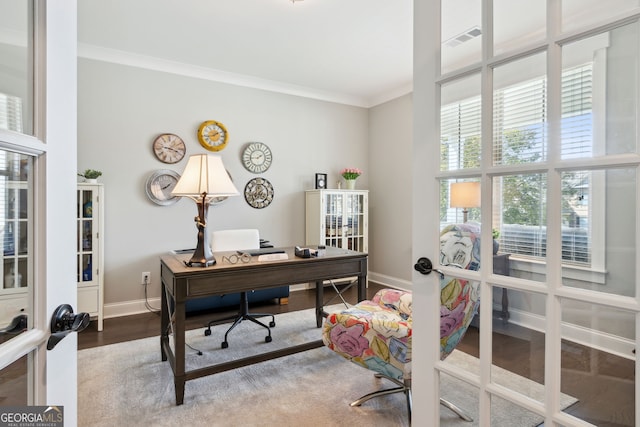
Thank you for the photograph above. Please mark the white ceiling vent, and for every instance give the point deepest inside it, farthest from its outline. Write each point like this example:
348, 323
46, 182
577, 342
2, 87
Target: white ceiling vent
471, 33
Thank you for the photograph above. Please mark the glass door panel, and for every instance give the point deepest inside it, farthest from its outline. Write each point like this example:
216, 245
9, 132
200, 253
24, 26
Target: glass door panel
520, 111
16, 60
599, 83
598, 362
514, 29
580, 13
14, 383
599, 249
461, 34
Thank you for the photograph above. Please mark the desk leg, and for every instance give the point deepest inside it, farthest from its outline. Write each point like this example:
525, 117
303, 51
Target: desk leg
164, 322
362, 288
179, 342
319, 302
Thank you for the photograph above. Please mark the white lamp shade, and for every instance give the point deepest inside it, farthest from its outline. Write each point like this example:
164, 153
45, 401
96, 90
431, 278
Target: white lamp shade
205, 173
465, 195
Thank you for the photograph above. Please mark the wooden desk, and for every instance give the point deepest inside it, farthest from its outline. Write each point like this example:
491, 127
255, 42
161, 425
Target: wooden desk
181, 283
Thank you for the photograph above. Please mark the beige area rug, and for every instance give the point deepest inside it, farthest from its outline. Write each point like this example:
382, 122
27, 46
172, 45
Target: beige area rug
127, 384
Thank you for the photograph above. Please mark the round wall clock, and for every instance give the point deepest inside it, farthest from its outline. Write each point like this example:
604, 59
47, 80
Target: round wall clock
212, 135
258, 193
256, 157
169, 148
159, 186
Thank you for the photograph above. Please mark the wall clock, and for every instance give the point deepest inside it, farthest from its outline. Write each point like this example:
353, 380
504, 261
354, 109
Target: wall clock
258, 193
213, 135
257, 157
159, 186
169, 148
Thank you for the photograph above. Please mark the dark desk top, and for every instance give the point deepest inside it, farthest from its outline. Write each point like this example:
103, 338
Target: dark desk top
176, 262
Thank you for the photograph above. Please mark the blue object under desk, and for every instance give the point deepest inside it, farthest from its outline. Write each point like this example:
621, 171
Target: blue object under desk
228, 300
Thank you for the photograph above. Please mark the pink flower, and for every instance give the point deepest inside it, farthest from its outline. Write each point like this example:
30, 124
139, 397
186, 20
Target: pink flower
350, 173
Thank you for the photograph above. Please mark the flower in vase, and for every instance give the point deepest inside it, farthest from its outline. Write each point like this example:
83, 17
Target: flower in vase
350, 173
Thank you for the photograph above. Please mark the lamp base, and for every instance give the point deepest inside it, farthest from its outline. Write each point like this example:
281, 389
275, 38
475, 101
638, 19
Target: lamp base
202, 256
200, 263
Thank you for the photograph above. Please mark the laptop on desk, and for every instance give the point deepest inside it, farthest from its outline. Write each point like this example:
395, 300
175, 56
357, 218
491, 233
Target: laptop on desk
261, 251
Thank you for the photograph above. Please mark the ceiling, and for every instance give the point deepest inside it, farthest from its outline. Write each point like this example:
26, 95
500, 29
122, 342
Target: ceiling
357, 52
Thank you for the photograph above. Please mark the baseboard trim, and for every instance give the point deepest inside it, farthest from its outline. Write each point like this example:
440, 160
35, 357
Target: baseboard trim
128, 308
390, 281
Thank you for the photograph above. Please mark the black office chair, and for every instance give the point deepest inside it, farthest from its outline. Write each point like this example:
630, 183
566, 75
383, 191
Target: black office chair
231, 240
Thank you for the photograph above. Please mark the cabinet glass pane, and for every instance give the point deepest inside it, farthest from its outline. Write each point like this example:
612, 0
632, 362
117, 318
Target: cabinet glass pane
16, 222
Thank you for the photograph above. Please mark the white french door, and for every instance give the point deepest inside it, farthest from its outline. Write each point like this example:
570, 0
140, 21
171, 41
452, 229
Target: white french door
538, 102
37, 201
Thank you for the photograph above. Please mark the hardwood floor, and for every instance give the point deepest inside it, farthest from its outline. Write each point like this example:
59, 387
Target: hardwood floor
603, 383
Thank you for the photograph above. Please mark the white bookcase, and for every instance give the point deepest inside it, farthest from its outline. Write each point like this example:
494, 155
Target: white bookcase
338, 218
90, 230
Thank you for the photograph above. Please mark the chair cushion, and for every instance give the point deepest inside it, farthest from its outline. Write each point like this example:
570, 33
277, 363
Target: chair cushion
459, 298
375, 334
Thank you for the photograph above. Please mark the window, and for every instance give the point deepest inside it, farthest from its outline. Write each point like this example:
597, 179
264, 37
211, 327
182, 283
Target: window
10, 113
520, 136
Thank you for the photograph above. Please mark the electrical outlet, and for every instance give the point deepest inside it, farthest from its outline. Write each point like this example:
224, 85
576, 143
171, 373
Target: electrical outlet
146, 278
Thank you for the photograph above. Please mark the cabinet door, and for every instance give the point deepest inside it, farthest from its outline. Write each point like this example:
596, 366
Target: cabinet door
354, 229
334, 221
87, 237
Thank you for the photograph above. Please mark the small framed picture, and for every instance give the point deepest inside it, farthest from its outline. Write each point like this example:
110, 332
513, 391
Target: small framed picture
321, 180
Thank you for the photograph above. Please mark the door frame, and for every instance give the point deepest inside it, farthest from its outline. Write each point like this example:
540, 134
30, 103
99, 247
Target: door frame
52, 374
426, 101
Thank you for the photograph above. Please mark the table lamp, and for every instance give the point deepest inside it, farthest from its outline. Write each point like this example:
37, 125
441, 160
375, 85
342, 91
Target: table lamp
464, 195
204, 178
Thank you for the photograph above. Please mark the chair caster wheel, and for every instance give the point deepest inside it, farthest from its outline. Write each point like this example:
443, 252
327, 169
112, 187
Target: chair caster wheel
225, 344
268, 338
207, 332
272, 324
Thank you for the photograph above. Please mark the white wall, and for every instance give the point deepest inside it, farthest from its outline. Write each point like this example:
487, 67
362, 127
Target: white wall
120, 111
390, 153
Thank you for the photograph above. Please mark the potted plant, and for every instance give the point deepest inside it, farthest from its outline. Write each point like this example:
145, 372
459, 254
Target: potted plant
350, 175
496, 235
90, 175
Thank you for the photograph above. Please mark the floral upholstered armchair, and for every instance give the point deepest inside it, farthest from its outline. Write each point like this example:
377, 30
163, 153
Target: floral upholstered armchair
376, 334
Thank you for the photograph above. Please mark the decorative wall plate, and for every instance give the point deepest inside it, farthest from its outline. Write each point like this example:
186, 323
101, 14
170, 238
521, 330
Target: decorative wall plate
258, 193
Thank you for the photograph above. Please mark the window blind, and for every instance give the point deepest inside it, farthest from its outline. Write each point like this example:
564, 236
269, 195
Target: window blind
520, 136
10, 113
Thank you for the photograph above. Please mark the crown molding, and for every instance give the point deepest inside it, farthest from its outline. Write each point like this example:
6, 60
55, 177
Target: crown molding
115, 56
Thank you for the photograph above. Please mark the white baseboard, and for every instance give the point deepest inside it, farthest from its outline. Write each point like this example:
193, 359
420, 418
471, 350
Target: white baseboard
129, 308
393, 282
